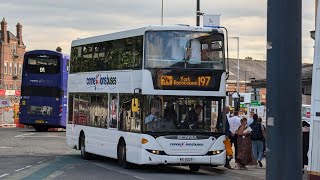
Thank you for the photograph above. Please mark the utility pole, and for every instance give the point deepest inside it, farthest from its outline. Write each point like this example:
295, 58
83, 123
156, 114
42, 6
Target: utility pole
316, 12
284, 139
238, 66
161, 12
198, 13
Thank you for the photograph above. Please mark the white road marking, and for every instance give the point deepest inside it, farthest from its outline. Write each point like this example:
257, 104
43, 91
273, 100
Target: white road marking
22, 135
17, 170
3, 175
5, 147
30, 135
138, 177
40, 162
22, 168
121, 172
42, 136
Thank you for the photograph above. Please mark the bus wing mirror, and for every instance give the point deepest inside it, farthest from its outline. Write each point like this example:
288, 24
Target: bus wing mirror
135, 105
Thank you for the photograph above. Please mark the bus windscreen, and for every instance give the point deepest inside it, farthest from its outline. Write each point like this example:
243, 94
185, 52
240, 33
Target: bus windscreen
42, 64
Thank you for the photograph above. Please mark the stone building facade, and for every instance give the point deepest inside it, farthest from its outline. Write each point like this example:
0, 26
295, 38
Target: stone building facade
12, 50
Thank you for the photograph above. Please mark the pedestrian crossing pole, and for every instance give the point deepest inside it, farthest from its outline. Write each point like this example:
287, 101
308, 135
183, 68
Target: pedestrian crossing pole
284, 138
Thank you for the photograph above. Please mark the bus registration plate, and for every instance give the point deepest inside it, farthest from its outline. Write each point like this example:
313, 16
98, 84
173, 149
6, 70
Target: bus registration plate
39, 121
185, 159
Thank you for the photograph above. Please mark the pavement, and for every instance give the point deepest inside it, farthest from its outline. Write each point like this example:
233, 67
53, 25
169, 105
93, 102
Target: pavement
253, 172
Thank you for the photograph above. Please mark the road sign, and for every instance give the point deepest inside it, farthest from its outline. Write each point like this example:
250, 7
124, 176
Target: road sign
211, 20
255, 103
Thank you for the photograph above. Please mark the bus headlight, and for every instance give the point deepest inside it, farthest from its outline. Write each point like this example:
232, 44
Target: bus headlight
157, 152
215, 152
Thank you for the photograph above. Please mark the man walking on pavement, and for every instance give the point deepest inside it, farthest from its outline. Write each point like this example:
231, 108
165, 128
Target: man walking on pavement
234, 123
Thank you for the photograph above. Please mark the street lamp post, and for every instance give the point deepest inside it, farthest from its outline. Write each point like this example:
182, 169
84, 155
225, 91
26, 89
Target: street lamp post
238, 71
161, 12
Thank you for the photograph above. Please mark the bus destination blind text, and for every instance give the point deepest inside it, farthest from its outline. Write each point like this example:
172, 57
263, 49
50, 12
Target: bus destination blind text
200, 81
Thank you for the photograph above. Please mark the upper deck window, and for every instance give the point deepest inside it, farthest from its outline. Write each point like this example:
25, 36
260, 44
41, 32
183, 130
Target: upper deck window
42, 64
184, 49
119, 54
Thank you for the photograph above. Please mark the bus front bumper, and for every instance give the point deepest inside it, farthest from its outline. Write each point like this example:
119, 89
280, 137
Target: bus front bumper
153, 159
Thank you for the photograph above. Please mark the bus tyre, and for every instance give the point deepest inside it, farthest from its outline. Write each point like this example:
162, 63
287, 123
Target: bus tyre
122, 156
40, 128
84, 154
194, 168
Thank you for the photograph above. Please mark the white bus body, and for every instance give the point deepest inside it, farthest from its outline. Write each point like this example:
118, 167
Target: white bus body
100, 122
314, 143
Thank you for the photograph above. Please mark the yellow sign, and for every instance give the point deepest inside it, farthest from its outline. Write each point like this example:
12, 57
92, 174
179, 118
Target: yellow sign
23, 103
39, 121
166, 80
185, 81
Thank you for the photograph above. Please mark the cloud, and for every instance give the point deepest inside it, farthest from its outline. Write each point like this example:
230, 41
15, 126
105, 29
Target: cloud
48, 24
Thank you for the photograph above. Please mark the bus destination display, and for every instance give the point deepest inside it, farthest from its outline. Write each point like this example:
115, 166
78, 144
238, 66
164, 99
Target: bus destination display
200, 81
191, 80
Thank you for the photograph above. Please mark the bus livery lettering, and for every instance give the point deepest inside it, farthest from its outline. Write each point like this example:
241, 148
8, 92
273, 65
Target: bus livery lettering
101, 80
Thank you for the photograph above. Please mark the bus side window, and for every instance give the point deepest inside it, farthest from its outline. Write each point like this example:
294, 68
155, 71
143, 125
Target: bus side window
113, 111
129, 116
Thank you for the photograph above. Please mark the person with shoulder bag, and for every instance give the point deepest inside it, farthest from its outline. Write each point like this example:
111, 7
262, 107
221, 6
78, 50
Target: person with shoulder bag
257, 139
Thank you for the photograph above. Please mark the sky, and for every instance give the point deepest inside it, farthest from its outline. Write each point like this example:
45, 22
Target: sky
49, 24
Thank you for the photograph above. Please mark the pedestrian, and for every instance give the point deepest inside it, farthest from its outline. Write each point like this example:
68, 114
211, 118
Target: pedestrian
228, 138
250, 121
257, 137
244, 156
234, 123
305, 141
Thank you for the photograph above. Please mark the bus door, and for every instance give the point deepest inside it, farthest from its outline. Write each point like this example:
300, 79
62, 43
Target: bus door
73, 113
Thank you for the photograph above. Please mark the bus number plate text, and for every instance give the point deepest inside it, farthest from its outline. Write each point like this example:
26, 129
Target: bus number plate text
185, 159
39, 121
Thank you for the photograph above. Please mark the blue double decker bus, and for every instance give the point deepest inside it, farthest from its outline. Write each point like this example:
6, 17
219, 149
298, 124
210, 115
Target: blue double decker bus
43, 102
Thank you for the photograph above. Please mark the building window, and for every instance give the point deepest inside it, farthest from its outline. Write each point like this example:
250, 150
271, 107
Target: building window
15, 72
10, 69
5, 67
11, 86
14, 48
15, 87
20, 69
5, 86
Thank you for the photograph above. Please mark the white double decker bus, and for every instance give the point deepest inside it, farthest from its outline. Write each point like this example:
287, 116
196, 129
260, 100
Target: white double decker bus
149, 96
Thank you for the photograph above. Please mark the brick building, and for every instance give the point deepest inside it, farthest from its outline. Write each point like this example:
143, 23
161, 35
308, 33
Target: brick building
12, 50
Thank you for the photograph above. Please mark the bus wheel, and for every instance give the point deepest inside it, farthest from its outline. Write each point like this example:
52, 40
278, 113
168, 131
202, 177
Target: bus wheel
84, 154
194, 168
122, 156
40, 128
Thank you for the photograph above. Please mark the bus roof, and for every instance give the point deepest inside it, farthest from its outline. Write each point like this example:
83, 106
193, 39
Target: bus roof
137, 32
45, 51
